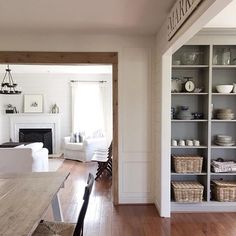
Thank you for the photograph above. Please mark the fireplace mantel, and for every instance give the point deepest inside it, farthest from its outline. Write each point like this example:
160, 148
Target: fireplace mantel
39, 120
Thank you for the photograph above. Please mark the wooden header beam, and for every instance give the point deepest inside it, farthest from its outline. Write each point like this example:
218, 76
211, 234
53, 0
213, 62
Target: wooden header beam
9, 57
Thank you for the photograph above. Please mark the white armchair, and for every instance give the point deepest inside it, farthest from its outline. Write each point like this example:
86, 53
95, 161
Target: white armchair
83, 151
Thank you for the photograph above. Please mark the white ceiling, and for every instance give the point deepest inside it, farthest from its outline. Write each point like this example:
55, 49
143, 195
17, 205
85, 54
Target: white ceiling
84, 16
226, 18
56, 69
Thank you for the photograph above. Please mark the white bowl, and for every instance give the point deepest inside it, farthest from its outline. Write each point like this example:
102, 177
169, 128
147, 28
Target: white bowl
224, 88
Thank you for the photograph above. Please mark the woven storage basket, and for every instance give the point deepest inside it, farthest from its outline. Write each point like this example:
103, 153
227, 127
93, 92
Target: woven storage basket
224, 191
187, 192
188, 164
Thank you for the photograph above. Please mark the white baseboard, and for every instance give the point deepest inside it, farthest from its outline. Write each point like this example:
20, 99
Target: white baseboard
135, 200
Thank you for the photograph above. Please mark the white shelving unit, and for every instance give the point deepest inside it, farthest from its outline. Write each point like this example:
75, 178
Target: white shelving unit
205, 75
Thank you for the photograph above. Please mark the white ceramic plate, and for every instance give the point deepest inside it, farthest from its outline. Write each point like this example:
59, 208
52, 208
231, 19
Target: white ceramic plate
224, 144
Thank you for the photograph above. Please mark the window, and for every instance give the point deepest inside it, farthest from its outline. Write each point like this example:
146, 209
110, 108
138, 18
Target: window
91, 112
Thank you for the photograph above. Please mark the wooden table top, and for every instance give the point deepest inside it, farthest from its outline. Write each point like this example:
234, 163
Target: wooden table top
24, 198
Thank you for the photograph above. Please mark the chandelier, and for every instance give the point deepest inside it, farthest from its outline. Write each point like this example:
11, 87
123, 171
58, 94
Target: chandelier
8, 86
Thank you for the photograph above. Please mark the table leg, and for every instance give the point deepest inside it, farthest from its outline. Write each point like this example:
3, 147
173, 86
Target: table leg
56, 208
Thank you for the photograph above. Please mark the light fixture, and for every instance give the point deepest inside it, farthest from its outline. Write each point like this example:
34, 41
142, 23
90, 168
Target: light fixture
8, 86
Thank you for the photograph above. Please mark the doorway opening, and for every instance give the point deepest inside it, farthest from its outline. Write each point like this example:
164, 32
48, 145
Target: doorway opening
70, 58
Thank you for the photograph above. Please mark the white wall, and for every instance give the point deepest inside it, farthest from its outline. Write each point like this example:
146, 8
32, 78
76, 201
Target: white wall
1, 122
162, 99
135, 121
55, 88
134, 68
214, 36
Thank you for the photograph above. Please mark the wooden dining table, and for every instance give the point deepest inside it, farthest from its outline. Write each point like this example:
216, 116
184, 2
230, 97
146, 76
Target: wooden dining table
24, 199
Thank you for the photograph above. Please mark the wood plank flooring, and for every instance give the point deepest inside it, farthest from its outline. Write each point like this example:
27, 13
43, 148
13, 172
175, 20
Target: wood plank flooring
103, 219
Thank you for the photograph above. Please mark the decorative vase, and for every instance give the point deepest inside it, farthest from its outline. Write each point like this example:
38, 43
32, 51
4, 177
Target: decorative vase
184, 113
55, 109
226, 56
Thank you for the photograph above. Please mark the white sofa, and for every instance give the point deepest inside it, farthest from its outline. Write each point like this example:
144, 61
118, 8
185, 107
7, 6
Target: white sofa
83, 151
29, 158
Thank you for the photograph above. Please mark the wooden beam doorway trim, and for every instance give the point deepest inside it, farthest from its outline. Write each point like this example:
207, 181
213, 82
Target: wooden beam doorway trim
59, 57
10, 57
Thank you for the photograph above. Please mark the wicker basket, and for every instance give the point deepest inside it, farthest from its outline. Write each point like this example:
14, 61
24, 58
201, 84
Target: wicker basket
188, 164
187, 192
224, 191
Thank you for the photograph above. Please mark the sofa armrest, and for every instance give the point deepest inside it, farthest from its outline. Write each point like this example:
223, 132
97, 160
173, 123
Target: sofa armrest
95, 141
91, 145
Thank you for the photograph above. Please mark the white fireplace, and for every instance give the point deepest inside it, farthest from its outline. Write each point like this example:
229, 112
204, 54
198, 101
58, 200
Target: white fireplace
36, 121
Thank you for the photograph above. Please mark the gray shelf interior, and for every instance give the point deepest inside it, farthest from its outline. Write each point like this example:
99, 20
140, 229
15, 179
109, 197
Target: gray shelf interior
202, 50
218, 52
190, 131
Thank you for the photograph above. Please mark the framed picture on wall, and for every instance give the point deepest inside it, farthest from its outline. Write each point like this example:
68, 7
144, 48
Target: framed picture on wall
33, 103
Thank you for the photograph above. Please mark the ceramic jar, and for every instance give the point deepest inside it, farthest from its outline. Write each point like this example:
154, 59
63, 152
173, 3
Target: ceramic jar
184, 113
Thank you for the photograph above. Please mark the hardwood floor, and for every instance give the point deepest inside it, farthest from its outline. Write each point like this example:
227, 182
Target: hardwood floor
103, 219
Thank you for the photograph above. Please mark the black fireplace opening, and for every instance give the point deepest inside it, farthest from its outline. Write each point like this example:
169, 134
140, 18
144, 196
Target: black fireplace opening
37, 135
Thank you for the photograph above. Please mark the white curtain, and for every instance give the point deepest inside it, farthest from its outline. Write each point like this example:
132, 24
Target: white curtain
106, 92
88, 108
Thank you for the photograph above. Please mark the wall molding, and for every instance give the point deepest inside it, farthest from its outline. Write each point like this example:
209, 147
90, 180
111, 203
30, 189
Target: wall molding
217, 31
126, 199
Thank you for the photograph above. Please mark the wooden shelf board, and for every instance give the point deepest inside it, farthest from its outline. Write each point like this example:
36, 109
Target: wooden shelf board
223, 203
212, 202
187, 174
188, 203
188, 147
189, 66
189, 94
223, 147
204, 206
219, 121
228, 173
223, 94
177, 121
224, 66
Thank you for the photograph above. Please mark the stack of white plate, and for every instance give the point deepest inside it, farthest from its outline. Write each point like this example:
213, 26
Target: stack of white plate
225, 114
224, 140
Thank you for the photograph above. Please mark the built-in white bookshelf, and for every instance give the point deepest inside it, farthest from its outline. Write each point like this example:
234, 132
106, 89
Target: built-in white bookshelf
205, 74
